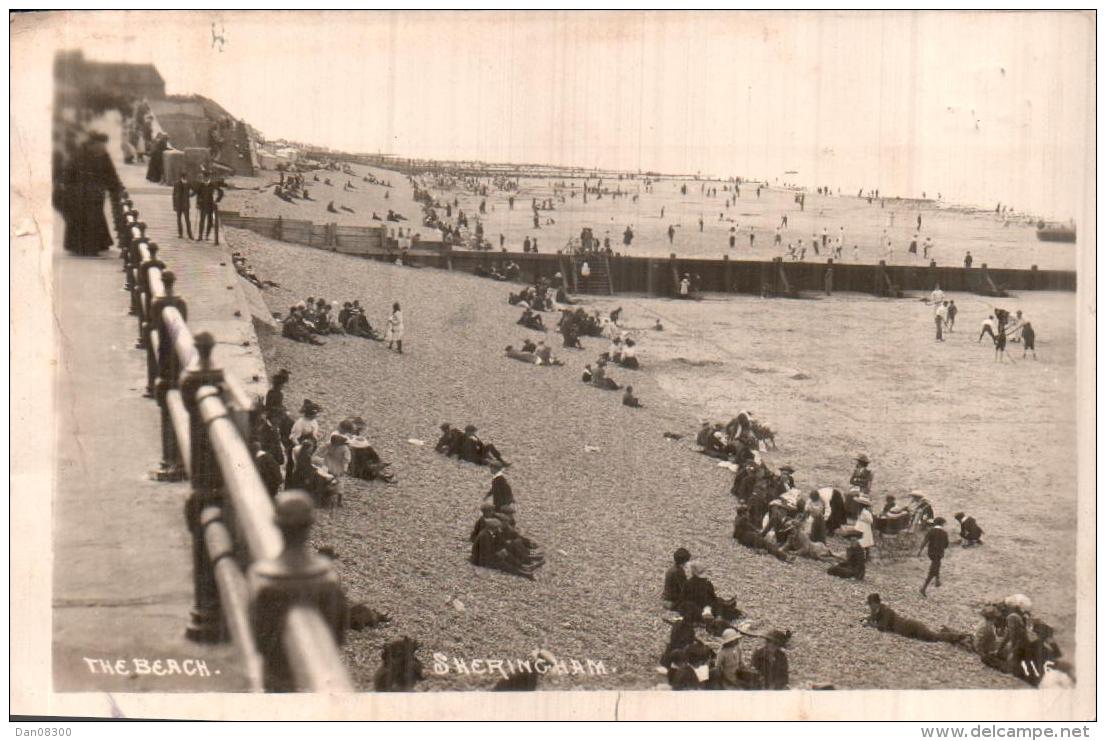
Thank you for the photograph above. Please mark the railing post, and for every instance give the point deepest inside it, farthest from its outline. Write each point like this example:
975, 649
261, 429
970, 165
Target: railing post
156, 323
142, 292
206, 625
129, 245
299, 576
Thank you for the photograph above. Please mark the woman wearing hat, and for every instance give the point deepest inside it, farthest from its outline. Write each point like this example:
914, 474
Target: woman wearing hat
88, 175
307, 424
770, 661
862, 476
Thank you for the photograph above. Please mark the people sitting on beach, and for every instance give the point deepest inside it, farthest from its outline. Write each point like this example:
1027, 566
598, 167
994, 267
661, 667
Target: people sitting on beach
699, 591
886, 620
296, 328
306, 475
628, 398
746, 533
496, 544
1011, 640
474, 450
481, 272
856, 560
545, 354
569, 329
365, 463
770, 661
531, 320
449, 444
325, 323
600, 380
629, 356
353, 320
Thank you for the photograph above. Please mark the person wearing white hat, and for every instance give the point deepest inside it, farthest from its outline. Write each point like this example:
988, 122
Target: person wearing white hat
729, 664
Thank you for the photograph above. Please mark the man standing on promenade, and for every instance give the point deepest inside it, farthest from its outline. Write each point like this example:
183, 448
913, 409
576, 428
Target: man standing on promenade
208, 195
182, 204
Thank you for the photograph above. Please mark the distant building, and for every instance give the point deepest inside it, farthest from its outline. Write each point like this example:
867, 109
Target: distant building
75, 73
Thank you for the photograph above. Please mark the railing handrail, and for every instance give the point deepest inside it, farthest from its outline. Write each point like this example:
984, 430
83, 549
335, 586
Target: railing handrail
194, 400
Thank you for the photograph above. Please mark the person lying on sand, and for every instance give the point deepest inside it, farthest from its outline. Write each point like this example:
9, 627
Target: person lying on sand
474, 450
525, 357
886, 620
802, 546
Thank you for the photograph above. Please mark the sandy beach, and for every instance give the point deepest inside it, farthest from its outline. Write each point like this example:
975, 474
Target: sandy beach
832, 377
954, 230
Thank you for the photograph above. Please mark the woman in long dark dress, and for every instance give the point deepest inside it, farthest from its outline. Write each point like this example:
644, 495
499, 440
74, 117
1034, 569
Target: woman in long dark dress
155, 170
87, 176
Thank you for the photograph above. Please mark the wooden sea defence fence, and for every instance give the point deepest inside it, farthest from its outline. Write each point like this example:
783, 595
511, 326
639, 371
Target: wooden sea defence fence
660, 276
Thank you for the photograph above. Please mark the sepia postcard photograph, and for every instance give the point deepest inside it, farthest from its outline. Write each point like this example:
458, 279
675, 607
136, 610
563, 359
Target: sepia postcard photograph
562, 364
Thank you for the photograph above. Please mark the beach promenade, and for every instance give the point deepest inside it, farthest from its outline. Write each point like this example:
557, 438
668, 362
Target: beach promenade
122, 552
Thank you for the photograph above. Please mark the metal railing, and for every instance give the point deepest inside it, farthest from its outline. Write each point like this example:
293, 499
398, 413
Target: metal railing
257, 582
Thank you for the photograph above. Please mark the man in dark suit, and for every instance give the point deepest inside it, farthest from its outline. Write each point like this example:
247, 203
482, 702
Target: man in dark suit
182, 204
208, 195
935, 543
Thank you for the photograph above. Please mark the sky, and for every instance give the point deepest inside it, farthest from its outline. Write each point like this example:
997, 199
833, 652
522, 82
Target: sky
982, 107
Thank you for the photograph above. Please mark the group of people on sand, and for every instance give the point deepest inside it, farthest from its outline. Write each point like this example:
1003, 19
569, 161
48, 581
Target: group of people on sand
495, 538
621, 352
708, 644
295, 454
999, 325
308, 319
467, 446
537, 353
775, 517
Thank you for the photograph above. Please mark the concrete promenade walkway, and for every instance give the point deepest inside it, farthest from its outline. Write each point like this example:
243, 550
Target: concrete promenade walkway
122, 555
